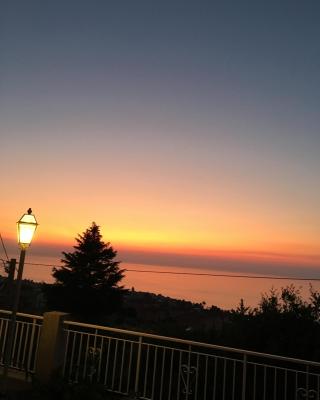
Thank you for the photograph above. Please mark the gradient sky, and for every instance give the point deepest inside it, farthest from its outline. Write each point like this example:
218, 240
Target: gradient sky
179, 127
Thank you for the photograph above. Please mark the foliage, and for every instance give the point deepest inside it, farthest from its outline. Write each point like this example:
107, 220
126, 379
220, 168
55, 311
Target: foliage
283, 323
88, 282
242, 310
32, 299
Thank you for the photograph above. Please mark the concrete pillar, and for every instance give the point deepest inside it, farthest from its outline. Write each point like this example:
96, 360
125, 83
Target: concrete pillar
51, 348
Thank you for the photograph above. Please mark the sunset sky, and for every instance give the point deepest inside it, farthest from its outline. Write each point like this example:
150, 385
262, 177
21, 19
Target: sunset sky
189, 131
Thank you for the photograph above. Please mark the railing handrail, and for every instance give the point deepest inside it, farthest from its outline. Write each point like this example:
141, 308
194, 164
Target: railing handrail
32, 316
175, 340
193, 343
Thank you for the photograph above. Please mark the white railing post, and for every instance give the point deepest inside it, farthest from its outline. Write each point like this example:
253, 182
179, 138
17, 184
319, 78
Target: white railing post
244, 377
136, 384
51, 350
34, 321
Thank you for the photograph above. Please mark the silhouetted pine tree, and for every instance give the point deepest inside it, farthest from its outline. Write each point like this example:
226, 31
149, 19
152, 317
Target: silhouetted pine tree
88, 281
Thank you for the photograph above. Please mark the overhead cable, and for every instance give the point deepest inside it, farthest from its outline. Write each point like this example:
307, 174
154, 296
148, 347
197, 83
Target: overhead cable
292, 278
4, 248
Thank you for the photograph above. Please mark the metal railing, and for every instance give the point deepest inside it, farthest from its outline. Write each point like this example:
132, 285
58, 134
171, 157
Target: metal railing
25, 341
154, 367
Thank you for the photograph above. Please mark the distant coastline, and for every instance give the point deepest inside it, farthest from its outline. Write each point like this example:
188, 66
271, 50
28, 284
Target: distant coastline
218, 291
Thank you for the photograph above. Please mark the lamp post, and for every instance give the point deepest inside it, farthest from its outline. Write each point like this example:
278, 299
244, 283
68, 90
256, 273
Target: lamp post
26, 227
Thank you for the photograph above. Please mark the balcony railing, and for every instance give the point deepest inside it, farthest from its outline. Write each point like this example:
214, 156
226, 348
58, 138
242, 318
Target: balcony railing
153, 367
25, 341
161, 368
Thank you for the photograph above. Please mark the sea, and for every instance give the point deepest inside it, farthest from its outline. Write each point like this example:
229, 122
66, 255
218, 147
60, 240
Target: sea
198, 285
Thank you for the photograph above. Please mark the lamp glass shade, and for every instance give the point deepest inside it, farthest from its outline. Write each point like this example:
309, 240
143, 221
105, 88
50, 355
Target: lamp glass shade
27, 225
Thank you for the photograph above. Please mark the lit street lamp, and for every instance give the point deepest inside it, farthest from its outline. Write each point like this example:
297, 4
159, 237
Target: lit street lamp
26, 227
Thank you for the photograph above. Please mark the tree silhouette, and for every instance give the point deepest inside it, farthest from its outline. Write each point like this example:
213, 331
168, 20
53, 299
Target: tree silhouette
88, 281
283, 323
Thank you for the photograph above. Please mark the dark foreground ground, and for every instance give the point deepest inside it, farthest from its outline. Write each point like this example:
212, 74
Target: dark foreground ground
16, 387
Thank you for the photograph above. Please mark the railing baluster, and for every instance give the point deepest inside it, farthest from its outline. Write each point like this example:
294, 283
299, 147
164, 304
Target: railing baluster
24, 351
14, 347
171, 372
188, 373
76, 376
31, 346
234, 379
275, 384
154, 370
65, 355
100, 359
79, 355
264, 382
162, 372
205, 379
74, 338
129, 369
146, 372
196, 383
114, 364
244, 376
3, 337
285, 384
107, 364
122, 362
254, 381
214, 392
179, 375
95, 339
38, 332
224, 379
136, 384
5, 340
20, 334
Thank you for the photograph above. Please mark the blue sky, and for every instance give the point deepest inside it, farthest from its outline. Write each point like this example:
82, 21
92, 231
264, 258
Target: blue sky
172, 124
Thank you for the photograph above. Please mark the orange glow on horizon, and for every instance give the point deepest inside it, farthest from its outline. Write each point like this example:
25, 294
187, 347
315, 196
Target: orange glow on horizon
223, 236
280, 255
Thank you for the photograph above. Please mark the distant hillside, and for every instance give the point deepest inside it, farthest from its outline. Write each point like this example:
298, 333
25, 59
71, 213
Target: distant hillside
141, 311
167, 316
